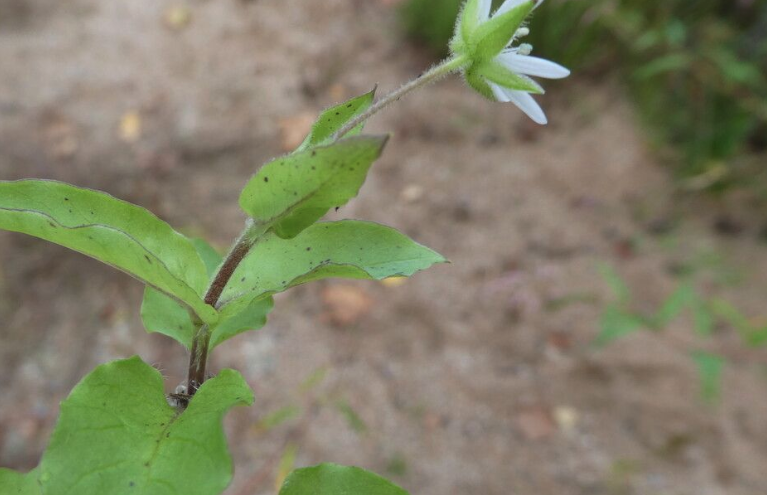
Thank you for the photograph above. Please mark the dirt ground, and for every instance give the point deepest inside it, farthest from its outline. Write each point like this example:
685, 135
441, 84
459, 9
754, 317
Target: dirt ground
473, 377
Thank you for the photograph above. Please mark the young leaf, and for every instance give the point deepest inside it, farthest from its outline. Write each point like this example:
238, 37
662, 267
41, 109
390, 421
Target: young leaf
13, 483
333, 119
292, 192
332, 479
616, 323
252, 317
348, 249
710, 372
117, 434
115, 232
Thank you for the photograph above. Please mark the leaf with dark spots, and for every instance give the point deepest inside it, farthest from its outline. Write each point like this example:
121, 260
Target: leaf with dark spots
323, 178
119, 234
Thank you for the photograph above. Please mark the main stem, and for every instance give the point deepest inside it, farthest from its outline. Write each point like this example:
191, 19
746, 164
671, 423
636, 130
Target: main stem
432, 75
199, 353
198, 356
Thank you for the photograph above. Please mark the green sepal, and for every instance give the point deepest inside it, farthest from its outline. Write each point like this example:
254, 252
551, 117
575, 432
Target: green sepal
500, 75
479, 84
346, 249
333, 479
116, 434
491, 37
334, 118
290, 193
468, 20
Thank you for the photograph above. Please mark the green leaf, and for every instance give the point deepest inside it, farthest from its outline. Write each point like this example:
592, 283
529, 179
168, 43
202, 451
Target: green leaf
292, 192
252, 317
710, 372
13, 483
347, 249
616, 323
491, 37
162, 314
115, 232
209, 256
117, 434
332, 479
334, 118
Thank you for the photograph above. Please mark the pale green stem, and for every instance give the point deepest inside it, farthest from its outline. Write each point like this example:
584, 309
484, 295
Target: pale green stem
432, 75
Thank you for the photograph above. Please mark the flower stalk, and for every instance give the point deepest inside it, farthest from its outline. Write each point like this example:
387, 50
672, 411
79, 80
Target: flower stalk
439, 71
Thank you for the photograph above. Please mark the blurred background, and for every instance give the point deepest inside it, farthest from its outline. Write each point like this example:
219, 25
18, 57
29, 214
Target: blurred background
601, 328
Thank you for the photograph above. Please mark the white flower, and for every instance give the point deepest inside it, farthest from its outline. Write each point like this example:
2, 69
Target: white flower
504, 73
524, 65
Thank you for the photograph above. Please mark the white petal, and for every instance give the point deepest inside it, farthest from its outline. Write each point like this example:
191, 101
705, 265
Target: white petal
523, 100
527, 104
499, 93
532, 66
483, 11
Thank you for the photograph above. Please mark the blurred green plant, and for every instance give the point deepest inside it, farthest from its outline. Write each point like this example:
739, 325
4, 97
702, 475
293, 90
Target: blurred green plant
695, 69
619, 320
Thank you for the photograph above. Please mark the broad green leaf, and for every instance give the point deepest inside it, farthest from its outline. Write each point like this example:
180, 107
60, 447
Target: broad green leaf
675, 304
334, 118
115, 232
347, 249
490, 38
292, 192
616, 323
162, 314
117, 434
13, 483
332, 479
710, 372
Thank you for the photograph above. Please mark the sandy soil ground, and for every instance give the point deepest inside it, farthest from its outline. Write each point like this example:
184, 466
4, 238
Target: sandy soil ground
473, 377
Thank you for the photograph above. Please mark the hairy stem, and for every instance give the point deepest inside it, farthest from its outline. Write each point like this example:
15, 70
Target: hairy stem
432, 75
198, 356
